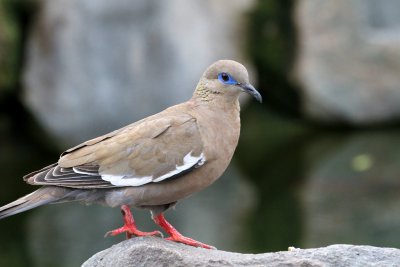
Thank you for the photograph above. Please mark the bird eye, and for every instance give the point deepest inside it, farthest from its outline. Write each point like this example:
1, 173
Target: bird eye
226, 78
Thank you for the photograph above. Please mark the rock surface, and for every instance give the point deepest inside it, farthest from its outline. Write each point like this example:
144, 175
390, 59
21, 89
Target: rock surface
152, 251
349, 60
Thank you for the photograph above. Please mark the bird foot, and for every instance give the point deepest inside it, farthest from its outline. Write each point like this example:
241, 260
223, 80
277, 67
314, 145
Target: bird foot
175, 235
131, 231
188, 241
130, 226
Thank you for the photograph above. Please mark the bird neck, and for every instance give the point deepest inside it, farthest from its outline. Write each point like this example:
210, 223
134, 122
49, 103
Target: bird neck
219, 109
205, 95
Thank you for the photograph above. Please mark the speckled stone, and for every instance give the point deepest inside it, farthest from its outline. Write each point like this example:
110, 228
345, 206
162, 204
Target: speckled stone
151, 251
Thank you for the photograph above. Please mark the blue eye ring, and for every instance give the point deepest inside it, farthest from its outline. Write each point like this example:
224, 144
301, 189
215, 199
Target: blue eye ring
226, 78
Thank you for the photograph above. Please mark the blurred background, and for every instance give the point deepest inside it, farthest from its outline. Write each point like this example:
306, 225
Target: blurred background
318, 162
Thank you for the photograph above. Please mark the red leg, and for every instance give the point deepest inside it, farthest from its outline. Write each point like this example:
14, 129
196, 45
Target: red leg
130, 226
175, 235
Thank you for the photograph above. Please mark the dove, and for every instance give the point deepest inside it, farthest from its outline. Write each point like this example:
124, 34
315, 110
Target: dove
152, 163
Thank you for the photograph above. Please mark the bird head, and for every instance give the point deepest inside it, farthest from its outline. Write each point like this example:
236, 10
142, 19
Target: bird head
227, 78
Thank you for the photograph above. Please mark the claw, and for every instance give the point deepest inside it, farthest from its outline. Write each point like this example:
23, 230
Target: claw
188, 241
130, 226
132, 231
176, 236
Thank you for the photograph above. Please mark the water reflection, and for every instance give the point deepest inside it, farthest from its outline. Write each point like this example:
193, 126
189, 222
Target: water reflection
351, 194
21, 150
319, 187
292, 186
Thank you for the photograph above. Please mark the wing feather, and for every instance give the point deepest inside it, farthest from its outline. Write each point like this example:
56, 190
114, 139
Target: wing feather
151, 150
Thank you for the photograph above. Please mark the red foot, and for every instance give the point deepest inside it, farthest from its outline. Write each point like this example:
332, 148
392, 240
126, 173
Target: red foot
175, 235
130, 227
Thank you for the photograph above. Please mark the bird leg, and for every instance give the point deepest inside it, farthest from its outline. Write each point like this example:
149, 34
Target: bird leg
130, 226
175, 235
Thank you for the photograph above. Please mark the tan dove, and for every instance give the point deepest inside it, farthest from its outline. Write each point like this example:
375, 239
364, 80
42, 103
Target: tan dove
154, 162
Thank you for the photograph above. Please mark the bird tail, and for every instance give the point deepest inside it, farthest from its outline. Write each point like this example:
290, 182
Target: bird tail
42, 196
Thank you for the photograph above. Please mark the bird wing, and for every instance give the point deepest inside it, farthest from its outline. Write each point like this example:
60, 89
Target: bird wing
151, 150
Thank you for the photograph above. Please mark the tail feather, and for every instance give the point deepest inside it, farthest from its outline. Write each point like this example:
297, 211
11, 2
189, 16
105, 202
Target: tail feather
42, 196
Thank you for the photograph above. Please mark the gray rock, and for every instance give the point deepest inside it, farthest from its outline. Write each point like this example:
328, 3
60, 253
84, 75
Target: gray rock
96, 65
152, 251
349, 60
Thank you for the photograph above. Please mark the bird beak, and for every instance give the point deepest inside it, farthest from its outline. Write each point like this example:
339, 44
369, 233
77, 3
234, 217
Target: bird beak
248, 88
